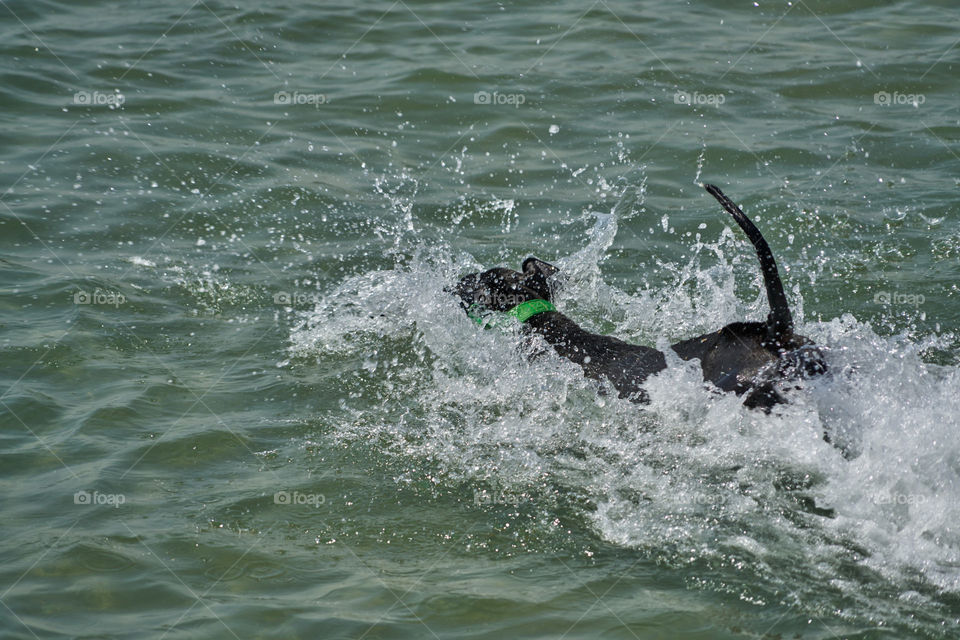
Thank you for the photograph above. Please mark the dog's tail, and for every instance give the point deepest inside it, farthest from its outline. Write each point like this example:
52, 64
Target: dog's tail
779, 321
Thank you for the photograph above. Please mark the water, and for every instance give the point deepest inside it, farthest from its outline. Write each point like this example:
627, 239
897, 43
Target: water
236, 401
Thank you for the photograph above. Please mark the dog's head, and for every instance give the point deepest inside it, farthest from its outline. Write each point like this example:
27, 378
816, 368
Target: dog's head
502, 289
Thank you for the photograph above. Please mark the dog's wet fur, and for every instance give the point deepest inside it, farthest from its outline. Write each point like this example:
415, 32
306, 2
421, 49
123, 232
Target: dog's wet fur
751, 359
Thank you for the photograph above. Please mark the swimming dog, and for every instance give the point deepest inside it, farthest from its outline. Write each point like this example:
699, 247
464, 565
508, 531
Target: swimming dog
751, 359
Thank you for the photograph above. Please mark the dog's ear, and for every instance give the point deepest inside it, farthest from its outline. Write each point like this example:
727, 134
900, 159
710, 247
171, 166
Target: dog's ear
532, 266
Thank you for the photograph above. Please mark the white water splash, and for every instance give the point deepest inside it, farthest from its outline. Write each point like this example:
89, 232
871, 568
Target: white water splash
693, 477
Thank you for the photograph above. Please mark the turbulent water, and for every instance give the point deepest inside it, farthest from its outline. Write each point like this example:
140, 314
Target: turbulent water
238, 401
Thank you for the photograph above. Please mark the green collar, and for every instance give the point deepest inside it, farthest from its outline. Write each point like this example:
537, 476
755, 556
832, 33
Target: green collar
522, 312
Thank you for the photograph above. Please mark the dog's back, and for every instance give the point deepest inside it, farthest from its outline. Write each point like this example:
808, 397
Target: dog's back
625, 365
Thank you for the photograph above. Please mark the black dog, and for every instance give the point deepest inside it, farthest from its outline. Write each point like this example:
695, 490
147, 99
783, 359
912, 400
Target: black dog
748, 358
